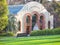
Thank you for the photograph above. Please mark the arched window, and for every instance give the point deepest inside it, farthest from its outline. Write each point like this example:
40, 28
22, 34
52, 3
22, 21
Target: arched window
19, 26
41, 22
48, 24
41, 19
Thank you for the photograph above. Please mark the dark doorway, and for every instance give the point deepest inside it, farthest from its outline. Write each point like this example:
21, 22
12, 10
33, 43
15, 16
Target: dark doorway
28, 30
34, 20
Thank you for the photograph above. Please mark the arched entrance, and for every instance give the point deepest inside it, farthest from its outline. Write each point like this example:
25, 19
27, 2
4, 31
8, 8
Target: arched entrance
27, 24
42, 22
34, 20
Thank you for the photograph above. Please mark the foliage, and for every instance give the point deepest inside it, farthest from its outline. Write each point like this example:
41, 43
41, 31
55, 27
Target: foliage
3, 22
3, 14
46, 32
56, 6
6, 34
9, 34
12, 24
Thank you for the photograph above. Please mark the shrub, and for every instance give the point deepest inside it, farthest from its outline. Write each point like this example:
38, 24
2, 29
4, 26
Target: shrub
45, 32
57, 31
7, 34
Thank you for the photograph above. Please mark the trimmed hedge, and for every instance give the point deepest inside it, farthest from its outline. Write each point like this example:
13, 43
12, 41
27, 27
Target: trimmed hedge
45, 32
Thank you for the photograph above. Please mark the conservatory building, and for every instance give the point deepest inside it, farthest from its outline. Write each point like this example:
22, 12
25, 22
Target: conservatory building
31, 16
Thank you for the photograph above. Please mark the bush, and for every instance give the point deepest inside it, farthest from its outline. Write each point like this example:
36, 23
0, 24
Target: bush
45, 32
7, 34
57, 31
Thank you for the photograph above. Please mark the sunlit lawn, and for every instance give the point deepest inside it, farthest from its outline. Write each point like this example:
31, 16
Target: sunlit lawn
34, 40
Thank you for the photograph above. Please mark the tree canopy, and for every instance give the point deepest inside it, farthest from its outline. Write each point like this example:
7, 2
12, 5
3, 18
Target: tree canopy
3, 14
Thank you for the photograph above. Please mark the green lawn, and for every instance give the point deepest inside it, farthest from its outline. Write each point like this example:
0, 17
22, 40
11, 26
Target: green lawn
35, 40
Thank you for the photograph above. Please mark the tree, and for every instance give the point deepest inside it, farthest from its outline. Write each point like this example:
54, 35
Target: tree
3, 14
56, 6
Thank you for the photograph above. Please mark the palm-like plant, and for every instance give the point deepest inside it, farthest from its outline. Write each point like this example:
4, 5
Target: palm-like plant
12, 23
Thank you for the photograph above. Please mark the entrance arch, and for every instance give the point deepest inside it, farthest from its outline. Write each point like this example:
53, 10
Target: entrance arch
35, 20
27, 23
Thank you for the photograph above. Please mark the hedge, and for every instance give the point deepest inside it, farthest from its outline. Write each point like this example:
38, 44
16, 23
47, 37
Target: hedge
45, 32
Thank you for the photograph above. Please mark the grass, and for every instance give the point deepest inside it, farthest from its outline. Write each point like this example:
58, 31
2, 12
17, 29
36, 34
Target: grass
34, 40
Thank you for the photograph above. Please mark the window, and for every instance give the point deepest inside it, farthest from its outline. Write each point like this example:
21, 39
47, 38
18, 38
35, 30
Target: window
41, 22
48, 24
41, 19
